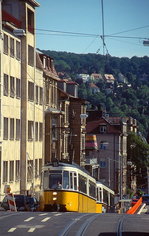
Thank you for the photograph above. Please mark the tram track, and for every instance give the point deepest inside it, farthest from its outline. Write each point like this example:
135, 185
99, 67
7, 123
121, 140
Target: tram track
78, 226
120, 225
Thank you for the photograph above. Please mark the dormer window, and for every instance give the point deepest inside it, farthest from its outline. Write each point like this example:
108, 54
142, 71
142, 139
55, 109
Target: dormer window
102, 129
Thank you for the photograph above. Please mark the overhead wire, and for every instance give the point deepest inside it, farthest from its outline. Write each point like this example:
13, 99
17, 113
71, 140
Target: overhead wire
79, 34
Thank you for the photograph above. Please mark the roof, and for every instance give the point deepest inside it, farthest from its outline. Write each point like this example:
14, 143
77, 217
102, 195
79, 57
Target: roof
47, 71
96, 76
109, 77
34, 3
92, 127
74, 165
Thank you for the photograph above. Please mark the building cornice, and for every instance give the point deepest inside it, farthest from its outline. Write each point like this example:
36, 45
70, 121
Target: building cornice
34, 3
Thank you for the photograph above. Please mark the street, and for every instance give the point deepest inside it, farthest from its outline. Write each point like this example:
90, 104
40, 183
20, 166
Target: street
72, 224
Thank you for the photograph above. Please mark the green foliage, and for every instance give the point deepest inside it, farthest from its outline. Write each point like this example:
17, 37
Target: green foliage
137, 150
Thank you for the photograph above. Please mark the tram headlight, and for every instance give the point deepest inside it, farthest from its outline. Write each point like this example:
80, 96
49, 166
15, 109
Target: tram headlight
54, 193
54, 198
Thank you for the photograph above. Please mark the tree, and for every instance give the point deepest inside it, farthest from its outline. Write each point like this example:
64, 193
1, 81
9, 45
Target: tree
138, 154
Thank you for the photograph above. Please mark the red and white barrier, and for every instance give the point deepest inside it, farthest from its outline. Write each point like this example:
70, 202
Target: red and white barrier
11, 202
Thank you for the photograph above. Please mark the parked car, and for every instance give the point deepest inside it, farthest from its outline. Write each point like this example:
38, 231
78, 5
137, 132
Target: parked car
23, 203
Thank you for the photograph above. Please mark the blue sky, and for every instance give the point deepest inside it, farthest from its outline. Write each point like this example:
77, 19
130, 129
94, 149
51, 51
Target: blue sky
55, 20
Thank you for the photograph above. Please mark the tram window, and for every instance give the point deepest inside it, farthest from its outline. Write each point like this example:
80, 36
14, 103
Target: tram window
105, 196
97, 194
45, 179
75, 181
92, 189
55, 181
65, 179
82, 184
111, 199
71, 181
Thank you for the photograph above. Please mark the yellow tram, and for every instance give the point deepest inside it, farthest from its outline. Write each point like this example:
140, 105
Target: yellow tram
68, 187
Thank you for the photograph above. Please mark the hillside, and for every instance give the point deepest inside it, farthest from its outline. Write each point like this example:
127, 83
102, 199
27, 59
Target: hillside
125, 99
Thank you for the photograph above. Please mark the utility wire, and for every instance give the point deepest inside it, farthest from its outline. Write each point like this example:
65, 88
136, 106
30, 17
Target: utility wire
125, 37
67, 32
125, 31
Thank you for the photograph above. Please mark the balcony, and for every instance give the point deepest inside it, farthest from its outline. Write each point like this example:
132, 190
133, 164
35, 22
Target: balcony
11, 19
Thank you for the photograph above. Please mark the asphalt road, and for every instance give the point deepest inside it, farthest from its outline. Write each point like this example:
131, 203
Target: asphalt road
72, 224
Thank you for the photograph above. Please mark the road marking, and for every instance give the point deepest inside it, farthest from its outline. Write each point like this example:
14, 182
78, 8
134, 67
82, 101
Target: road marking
30, 218
43, 214
58, 214
11, 230
45, 219
31, 230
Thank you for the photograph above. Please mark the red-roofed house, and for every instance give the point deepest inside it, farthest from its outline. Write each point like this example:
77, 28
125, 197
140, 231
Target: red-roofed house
109, 78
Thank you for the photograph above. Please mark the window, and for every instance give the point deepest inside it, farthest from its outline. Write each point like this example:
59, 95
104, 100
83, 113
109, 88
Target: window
30, 170
36, 131
102, 128
92, 189
41, 96
11, 176
30, 21
30, 55
65, 179
47, 94
40, 131
99, 194
30, 91
36, 94
11, 47
102, 164
103, 145
5, 87
11, 128
83, 142
5, 171
17, 129
75, 180
55, 180
18, 50
40, 165
82, 184
36, 168
12, 86
17, 170
5, 44
30, 130
54, 129
5, 131
18, 91
71, 180
67, 113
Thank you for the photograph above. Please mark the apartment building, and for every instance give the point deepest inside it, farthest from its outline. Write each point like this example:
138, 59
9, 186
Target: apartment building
42, 118
75, 120
111, 154
21, 112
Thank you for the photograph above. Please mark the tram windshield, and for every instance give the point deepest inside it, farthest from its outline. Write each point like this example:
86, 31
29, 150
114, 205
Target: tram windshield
55, 181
